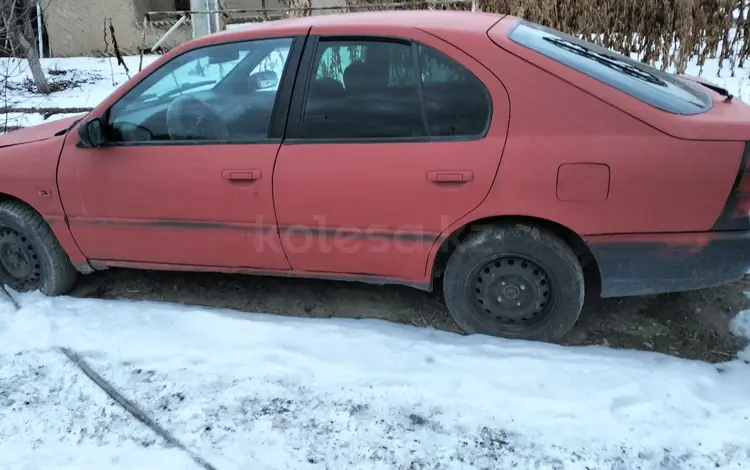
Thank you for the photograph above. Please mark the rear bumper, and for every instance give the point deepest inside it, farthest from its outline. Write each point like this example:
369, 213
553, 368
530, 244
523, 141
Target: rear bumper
654, 264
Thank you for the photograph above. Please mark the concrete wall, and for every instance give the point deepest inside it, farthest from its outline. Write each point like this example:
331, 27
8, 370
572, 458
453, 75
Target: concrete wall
161, 5
75, 27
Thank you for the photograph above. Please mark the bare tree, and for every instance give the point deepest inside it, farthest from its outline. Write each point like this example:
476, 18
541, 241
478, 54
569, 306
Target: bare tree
18, 32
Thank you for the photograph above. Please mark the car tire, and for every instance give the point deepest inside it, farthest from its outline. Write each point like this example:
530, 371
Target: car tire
514, 281
31, 258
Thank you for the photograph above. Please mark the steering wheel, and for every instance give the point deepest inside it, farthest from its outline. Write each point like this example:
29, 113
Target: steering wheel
189, 118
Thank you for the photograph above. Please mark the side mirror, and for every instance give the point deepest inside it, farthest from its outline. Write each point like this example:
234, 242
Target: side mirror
260, 80
90, 134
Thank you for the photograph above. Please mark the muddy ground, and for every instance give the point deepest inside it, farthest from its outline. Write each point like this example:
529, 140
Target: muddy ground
692, 325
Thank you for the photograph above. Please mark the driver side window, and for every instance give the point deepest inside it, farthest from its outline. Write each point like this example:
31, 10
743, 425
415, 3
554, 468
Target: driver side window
219, 93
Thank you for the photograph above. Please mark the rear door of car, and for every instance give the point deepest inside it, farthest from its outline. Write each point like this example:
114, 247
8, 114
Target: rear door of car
376, 163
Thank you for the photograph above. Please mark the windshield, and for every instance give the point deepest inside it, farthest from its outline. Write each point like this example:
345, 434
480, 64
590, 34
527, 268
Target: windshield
648, 84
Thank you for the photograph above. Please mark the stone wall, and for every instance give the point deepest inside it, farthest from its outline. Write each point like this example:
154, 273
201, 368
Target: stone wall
76, 27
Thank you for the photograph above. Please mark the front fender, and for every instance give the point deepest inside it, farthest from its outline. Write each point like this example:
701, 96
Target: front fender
28, 173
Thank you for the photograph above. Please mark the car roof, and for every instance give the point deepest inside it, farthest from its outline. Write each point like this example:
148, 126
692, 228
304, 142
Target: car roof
429, 20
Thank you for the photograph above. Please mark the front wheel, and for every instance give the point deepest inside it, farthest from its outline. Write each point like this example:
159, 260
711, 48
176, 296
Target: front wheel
515, 282
30, 256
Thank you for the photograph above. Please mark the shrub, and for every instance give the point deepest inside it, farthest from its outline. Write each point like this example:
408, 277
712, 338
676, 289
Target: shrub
667, 33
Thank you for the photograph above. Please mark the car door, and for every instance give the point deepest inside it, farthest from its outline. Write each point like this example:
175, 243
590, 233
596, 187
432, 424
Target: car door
184, 176
381, 157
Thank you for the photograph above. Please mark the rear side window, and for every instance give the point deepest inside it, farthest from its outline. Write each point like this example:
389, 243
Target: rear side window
648, 84
456, 102
383, 88
363, 89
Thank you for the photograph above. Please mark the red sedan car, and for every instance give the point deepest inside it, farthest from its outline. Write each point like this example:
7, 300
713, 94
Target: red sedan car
514, 165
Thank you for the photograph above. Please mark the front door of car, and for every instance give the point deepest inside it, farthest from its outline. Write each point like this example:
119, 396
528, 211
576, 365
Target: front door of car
390, 140
184, 174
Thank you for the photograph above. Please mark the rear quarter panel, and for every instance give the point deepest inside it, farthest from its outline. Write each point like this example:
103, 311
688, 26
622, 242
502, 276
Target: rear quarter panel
658, 183
725, 120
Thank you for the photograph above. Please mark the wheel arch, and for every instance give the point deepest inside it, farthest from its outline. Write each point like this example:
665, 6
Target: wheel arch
9, 197
6, 196
586, 258
60, 230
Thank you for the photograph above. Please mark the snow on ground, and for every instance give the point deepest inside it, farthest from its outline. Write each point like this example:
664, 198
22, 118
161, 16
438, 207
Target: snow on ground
740, 326
30, 119
21, 120
269, 392
51, 416
739, 85
99, 77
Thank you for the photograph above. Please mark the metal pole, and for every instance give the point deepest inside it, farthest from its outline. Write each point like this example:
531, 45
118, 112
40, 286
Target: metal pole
170, 31
207, 9
199, 18
39, 26
215, 7
212, 15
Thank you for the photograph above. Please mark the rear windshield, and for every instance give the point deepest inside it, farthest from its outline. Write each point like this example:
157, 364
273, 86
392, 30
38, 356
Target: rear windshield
650, 85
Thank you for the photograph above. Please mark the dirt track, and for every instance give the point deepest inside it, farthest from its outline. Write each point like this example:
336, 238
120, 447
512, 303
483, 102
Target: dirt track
691, 325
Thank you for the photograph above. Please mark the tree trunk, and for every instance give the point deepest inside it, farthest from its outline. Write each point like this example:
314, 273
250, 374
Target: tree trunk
35, 65
21, 34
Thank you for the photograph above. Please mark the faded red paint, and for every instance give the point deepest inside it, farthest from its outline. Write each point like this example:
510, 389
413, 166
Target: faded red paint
370, 210
386, 185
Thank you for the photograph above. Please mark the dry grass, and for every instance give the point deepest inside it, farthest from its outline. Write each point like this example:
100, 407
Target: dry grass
663, 32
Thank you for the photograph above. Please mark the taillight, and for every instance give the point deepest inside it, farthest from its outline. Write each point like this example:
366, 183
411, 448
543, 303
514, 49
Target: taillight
735, 215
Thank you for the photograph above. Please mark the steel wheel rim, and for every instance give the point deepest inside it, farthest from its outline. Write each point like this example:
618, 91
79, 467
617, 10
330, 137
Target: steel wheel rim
19, 263
513, 291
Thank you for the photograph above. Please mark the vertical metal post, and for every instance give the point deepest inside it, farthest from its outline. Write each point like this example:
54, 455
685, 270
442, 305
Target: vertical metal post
212, 6
200, 22
217, 19
39, 26
207, 8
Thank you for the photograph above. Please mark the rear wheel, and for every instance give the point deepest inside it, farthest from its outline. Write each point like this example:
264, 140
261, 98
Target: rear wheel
31, 258
514, 282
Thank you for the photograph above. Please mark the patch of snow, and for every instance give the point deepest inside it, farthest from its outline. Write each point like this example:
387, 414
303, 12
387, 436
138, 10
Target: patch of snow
270, 392
20, 120
737, 85
51, 416
102, 75
740, 324
56, 117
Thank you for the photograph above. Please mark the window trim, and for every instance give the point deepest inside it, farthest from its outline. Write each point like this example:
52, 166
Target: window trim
280, 109
307, 69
